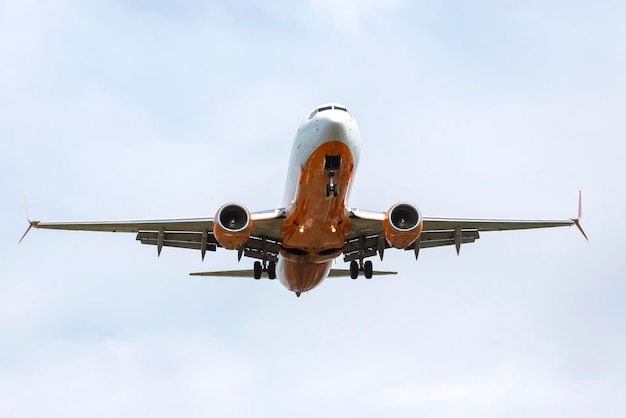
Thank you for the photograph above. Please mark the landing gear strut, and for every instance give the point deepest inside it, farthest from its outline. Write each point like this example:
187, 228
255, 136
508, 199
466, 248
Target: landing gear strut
331, 187
331, 165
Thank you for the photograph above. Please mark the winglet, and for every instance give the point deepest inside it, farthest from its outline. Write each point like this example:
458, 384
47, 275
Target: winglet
580, 215
30, 223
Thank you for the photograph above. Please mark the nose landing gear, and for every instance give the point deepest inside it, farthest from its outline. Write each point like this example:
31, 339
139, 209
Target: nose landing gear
331, 188
332, 163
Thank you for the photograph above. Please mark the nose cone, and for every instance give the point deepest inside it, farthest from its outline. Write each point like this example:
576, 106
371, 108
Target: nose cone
335, 126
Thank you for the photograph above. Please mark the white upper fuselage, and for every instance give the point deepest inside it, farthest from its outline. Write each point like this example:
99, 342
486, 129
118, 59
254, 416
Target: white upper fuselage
320, 126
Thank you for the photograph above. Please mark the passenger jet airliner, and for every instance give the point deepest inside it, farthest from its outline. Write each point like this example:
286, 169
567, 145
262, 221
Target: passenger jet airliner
298, 242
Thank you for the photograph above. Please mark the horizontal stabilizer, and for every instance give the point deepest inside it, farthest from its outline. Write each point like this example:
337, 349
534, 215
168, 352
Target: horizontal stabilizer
227, 273
346, 273
250, 273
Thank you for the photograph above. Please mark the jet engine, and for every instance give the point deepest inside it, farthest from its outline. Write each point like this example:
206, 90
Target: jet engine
232, 225
402, 225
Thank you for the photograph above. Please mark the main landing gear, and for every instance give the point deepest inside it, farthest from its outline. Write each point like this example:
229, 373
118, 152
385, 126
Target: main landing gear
365, 267
269, 267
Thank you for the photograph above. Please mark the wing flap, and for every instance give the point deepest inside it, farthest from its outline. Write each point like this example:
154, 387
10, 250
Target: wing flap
261, 248
432, 239
180, 244
188, 240
176, 236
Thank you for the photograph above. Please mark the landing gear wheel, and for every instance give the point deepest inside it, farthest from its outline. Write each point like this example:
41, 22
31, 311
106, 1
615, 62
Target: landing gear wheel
354, 269
331, 189
367, 269
271, 270
257, 270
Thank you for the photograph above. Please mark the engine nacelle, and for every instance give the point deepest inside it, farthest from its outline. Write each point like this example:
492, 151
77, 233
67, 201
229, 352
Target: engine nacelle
402, 225
232, 225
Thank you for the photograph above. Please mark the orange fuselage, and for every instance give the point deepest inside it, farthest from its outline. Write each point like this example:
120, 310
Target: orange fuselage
316, 225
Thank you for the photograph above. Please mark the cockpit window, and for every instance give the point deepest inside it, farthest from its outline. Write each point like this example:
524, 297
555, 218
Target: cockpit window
321, 109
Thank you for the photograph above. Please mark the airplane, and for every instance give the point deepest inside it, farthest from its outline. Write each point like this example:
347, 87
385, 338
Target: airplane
298, 242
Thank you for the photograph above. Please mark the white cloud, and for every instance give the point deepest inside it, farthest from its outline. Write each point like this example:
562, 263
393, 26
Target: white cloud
348, 16
193, 376
471, 391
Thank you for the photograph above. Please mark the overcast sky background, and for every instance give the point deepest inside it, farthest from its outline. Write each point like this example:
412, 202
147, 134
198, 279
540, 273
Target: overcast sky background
143, 109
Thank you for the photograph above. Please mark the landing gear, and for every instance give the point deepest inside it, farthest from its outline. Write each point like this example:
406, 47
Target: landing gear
332, 163
331, 188
269, 267
367, 269
354, 269
258, 269
271, 270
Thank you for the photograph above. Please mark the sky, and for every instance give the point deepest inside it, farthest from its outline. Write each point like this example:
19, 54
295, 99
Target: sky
144, 109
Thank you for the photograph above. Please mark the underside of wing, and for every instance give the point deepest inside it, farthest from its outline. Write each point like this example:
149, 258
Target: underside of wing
366, 238
182, 224
189, 233
447, 224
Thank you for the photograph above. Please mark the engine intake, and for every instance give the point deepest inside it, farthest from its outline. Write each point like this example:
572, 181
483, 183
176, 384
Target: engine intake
402, 225
232, 225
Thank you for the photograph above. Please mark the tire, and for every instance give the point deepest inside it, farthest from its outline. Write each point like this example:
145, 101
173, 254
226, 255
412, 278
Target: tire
271, 270
257, 270
354, 269
368, 269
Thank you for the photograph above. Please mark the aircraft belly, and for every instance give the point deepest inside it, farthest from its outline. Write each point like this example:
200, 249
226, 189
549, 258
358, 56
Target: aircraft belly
301, 277
313, 234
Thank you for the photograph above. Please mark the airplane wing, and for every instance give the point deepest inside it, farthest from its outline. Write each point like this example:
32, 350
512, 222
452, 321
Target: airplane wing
192, 233
366, 238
